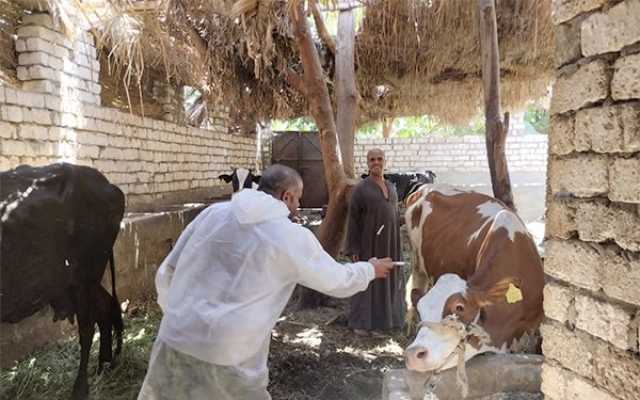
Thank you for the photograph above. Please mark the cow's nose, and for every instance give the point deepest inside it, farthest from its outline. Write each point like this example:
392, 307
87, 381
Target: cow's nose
416, 355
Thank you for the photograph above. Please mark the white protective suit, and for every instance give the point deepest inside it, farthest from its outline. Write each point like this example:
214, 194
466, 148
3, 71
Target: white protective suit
221, 290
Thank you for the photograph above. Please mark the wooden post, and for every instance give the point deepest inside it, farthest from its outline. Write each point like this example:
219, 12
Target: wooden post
346, 91
334, 225
496, 128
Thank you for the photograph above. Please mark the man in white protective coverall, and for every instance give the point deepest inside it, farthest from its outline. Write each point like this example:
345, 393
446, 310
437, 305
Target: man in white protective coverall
226, 282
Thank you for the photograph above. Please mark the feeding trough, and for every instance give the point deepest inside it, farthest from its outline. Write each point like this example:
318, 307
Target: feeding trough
506, 375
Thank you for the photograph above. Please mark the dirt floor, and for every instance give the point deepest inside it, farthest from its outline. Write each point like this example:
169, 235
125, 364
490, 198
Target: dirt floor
313, 356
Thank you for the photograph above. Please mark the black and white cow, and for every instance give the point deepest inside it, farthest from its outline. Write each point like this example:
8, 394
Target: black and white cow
407, 182
241, 178
59, 224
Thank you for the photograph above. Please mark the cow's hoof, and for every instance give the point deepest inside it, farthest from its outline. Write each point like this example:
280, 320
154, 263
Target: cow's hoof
105, 366
80, 391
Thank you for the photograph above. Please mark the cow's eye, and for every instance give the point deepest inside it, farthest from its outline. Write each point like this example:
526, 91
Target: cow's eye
459, 308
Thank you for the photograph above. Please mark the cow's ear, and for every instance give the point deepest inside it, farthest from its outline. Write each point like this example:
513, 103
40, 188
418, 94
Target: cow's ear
504, 291
225, 177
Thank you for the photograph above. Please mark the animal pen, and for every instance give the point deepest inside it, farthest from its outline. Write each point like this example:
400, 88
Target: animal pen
163, 96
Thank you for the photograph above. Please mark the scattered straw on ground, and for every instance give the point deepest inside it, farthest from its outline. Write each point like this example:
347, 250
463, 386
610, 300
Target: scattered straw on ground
313, 356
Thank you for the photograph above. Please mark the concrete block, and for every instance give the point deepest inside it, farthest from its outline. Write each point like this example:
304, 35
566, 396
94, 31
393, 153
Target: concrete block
582, 176
55, 63
31, 31
610, 31
88, 152
596, 130
626, 78
21, 45
62, 134
106, 165
38, 44
23, 73
599, 222
70, 67
615, 370
81, 47
29, 99
558, 303
32, 58
84, 73
42, 72
564, 346
39, 86
607, 268
81, 60
567, 48
612, 369
629, 119
12, 113
8, 131
11, 95
111, 154
38, 19
61, 52
554, 384
42, 117
609, 129
576, 89
14, 148
578, 389
564, 10
131, 154
53, 102
624, 180
65, 119
29, 131
603, 320
574, 262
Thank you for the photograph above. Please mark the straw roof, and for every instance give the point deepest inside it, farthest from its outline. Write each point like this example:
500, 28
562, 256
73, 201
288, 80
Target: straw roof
413, 57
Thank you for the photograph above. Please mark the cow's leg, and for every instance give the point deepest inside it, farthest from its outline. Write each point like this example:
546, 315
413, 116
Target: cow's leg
86, 330
103, 318
116, 321
416, 287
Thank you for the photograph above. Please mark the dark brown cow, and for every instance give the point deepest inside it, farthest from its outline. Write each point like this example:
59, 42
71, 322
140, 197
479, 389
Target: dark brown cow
487, 272
59, 224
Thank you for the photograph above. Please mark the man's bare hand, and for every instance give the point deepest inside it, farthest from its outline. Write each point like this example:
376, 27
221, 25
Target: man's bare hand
382, 266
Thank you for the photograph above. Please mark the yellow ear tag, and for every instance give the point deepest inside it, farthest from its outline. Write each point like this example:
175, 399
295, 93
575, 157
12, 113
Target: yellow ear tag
514, 294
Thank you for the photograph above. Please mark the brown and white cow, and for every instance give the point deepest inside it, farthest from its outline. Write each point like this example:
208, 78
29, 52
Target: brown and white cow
487, 272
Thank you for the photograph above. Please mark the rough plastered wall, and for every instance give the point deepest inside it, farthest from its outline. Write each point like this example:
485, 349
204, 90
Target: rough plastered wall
56, 115
592, 299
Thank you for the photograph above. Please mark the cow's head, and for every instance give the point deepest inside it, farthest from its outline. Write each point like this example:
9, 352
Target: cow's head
452, 299
241, 178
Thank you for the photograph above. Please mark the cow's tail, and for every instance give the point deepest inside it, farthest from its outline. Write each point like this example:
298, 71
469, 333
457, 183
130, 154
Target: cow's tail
116, 313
